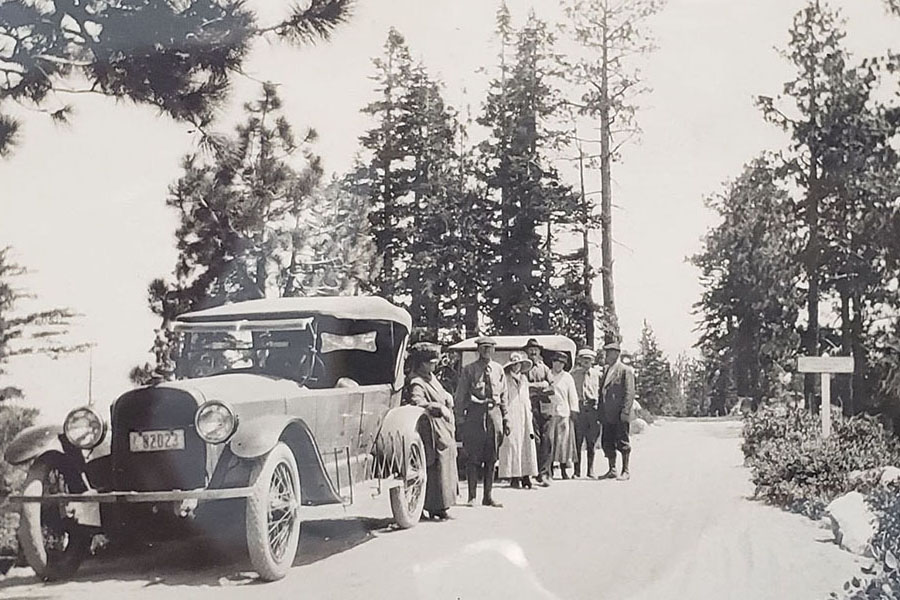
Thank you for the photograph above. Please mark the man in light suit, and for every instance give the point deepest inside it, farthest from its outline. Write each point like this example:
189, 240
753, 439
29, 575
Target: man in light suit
616, 407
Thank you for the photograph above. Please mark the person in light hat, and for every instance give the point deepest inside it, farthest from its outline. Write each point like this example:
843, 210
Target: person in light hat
587, 378
518, 456
481, 418
425, 390
616, 408
563, 404
539, 389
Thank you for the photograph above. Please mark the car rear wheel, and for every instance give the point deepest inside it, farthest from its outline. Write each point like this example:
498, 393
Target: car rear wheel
408, 499
53, 542
273, 514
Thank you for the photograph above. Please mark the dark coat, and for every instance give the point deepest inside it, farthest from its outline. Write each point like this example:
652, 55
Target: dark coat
617, 396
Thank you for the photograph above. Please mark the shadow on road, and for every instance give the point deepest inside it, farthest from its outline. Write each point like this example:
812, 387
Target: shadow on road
198, 562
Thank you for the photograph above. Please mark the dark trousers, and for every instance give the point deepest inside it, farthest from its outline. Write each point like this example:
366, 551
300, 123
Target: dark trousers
587, 432
615, 437
481, 442
542, 441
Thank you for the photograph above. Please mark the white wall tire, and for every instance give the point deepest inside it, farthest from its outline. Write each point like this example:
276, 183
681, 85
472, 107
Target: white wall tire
273, 514
408, 499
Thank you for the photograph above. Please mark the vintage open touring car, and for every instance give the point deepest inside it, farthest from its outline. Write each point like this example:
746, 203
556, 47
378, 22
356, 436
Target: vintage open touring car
276, 405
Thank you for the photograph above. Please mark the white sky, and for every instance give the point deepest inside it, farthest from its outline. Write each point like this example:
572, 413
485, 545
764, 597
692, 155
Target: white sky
83, 205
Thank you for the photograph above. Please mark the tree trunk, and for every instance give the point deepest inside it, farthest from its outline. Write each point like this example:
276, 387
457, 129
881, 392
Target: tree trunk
586, 257
843, 383
606, 249
859, 390
812, 250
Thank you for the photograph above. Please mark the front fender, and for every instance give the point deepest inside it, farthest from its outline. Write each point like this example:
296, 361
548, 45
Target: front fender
258, 436
399, 427
33, 441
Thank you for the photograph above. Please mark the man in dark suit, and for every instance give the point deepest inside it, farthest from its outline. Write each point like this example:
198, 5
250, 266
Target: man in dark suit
616, 408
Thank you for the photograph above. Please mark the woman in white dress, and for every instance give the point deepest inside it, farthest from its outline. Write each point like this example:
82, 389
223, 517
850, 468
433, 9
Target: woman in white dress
563, 403
518, 455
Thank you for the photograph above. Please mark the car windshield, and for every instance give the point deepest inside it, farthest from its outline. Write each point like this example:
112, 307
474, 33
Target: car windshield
327, 353
287, 354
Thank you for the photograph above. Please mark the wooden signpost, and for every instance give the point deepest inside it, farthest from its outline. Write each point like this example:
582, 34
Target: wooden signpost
825, 365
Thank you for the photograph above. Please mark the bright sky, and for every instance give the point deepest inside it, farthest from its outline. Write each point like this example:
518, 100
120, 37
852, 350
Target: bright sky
83, 205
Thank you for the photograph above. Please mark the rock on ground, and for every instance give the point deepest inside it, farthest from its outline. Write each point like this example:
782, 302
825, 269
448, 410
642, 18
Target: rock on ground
853, 522
890, 474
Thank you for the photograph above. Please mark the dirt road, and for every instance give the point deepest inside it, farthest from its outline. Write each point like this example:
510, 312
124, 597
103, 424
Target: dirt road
683, 528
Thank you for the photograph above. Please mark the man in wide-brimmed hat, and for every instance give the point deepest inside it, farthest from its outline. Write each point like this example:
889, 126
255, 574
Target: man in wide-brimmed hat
481, 417
539, 389
587, 420
617, 405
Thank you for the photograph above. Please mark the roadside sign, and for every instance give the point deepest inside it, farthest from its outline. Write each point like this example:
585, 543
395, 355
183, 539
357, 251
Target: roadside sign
825, 365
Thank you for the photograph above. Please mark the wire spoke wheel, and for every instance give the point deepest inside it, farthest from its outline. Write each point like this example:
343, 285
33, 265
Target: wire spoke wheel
408, 498
282, 509
273, 514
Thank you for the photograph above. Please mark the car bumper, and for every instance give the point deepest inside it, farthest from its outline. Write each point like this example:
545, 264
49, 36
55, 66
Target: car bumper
137, 497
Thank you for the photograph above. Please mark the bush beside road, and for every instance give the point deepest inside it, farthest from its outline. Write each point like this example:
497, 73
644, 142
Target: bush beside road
848, 480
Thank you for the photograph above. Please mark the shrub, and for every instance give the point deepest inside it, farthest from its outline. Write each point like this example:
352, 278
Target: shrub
13, 419
772, 423
794, 467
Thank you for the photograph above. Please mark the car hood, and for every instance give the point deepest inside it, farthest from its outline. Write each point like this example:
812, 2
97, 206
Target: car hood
236, 388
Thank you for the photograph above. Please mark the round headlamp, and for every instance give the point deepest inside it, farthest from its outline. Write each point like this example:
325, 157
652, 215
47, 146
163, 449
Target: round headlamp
215, 422
84, 428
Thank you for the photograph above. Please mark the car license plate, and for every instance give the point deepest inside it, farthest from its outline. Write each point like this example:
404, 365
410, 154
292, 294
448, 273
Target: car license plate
156, 440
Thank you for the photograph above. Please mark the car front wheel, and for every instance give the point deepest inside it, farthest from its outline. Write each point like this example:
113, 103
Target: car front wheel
408, 499
273, 514
53, 542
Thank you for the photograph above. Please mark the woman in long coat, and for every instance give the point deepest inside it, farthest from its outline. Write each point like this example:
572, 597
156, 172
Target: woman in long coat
425, 390
564, 402
518, 455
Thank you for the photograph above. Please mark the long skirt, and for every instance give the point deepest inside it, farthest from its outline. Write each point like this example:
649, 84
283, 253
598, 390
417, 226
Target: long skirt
562, 440
440, 493
518, 454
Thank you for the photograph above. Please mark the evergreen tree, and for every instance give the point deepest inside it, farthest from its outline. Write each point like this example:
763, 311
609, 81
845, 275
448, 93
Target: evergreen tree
385, 179
749, 271
653, 374
175, 56
418, 188
611, 33
520, 110
242, 217
41, 332
816, 52
333, 253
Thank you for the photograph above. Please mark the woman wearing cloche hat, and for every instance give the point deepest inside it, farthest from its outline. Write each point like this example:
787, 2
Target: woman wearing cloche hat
518, 455
425, 390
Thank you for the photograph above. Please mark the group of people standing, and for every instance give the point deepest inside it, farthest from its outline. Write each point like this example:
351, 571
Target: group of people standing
524, 417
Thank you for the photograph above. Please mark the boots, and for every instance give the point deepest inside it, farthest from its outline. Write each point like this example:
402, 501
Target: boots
487, 499
626, 475
472, 480
577, 473
590, 464
611, 473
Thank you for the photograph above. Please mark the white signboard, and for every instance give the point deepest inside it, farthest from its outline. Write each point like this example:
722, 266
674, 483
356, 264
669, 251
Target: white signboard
825, 364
